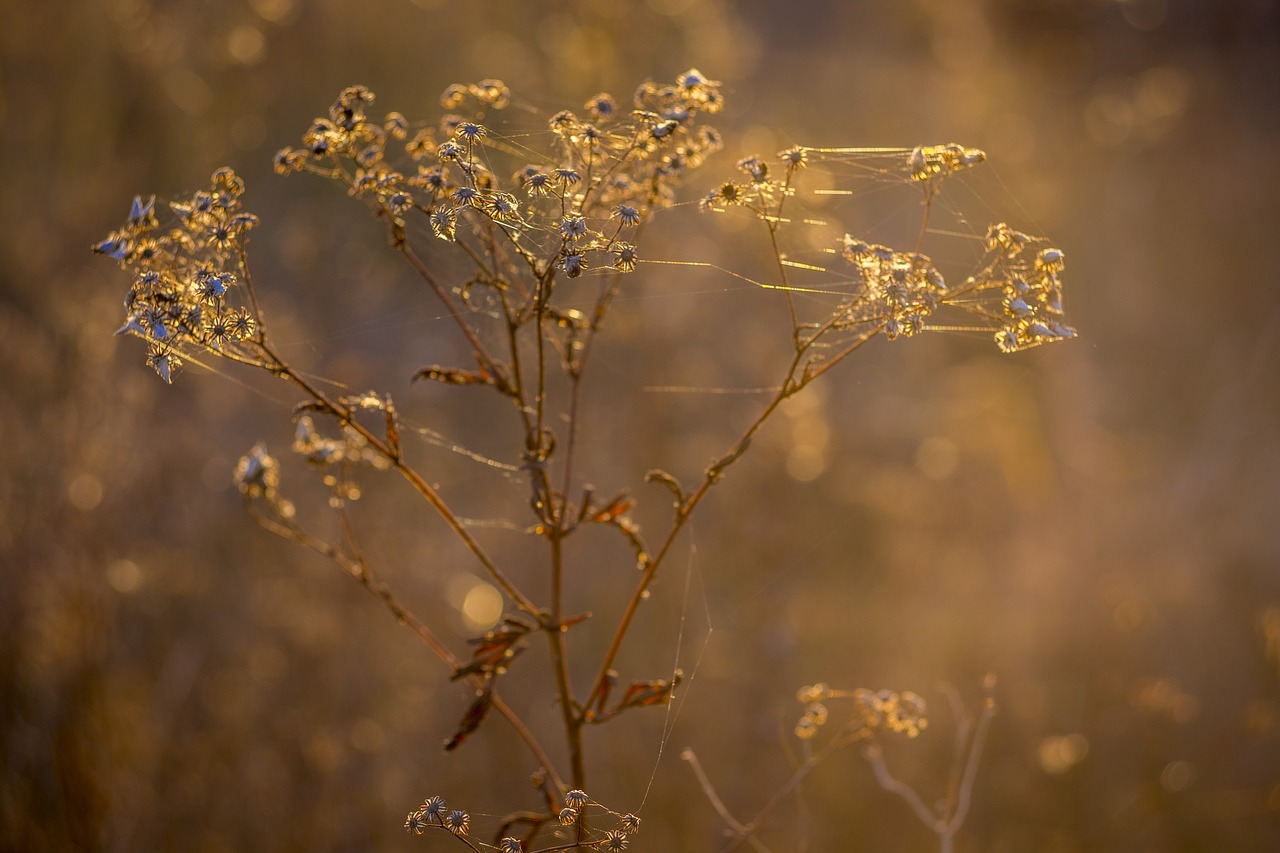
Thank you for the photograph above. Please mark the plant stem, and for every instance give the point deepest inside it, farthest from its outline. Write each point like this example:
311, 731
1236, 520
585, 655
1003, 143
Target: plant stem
555, 635
744, 832
282, 369
482, 354
358, 570
713, 473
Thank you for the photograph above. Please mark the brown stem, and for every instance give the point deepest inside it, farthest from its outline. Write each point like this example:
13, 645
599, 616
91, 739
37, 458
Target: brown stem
772, 224
788, 387
576, 368
358, 569
412, 476
564, 690
709, 790
846, 352
540, 393
744, 832
425, 273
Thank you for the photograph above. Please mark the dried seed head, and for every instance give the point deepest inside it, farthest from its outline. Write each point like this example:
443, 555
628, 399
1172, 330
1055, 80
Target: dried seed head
601, 106
434, 809
416, 823
458, 822
794, 158
257, 473
813, 693
614, 840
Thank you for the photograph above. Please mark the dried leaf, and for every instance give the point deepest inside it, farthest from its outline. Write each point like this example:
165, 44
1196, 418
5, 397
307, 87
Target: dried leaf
474, 715
657, 475
601, 697
613, 509
496, 649
574, 620
641, 694
454, 375
393, 427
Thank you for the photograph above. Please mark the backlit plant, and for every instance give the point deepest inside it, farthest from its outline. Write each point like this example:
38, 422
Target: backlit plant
527, 210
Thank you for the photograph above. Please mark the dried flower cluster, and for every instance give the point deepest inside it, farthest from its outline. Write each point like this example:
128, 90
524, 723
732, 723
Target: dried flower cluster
1015, 292
185, 297
938, 161
578, 812
874, 711
1026, 272
573, 205
901, 289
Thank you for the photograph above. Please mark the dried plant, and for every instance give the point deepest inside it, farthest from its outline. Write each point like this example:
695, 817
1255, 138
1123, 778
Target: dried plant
527, 210
874, 716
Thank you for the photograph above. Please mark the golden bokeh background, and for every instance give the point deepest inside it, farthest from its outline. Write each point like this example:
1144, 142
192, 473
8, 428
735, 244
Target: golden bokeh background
1094, 522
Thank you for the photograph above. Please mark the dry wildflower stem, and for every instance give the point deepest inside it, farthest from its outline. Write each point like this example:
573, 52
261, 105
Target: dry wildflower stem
946, 821
573, 208
875, 715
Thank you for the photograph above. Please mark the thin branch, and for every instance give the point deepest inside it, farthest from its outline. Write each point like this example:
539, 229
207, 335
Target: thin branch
560, 660
745, 832
358, 570
415, 479
425, 273
875, 757
788, 387
976, 746
710, 792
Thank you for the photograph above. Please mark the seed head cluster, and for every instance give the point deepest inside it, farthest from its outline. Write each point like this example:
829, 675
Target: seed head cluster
1026, 273
568, 199
900, 289
434, 813
874, 711
1015, 291
188, 274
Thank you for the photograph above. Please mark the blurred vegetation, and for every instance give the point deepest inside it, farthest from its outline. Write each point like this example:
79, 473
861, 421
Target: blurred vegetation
1094, 522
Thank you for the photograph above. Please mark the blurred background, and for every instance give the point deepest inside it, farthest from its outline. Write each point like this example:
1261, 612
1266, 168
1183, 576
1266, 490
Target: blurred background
1093, 522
